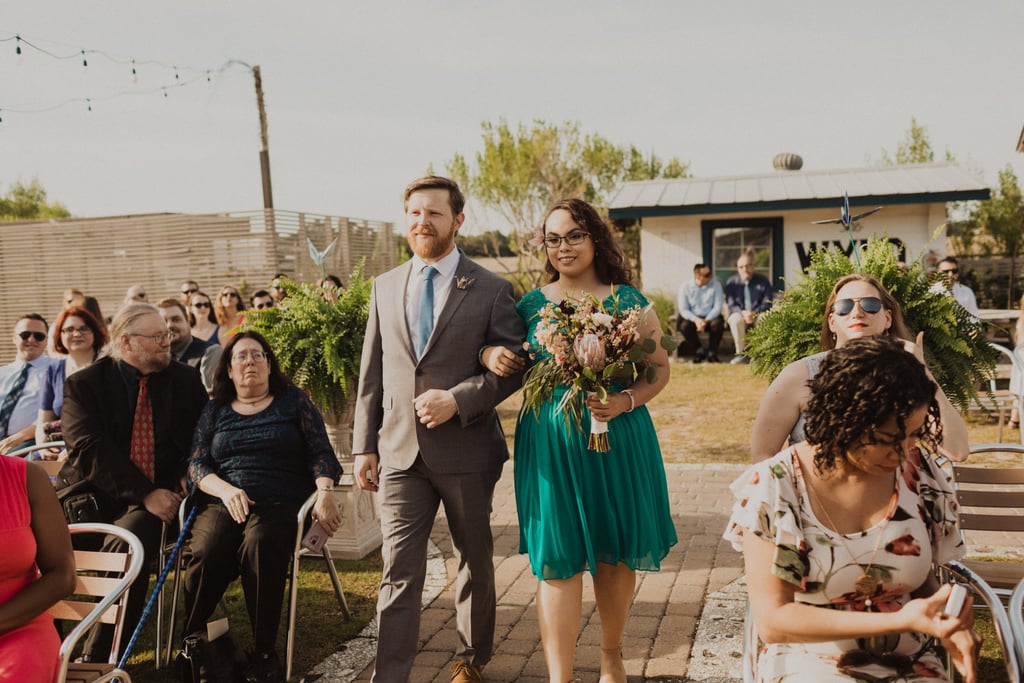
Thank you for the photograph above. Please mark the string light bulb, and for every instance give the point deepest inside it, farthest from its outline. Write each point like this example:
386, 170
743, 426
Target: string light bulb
135, 76
88, 103
84, 62
17, 44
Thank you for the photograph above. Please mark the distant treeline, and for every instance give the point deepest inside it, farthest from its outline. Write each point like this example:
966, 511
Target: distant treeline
491, 243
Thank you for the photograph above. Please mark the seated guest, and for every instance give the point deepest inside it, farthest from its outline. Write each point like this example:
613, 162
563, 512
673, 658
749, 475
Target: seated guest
188, 288
331, 284
201, 317
185, 348
261, 300
260, 449
277, 287
947, 281
128, 420
21, 383
79, 337
841, 533
136, 294
700, 310
37, 569
230, 311
747, 294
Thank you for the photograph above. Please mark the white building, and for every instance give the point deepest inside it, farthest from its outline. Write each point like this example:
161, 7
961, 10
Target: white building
713, 220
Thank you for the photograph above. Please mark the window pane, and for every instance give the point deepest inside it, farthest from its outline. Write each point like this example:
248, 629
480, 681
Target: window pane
728, 244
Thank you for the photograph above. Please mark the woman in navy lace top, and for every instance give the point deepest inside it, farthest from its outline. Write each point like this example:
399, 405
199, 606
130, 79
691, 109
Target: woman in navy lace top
259, 450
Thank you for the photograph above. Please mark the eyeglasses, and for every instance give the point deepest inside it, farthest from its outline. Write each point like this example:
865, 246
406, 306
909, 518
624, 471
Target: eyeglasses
245, 356
573, 239
158, 338
193, 290
83, 330
868, 304
950, 270
263, 304
231, 294
139, 295
38, 336
201, 304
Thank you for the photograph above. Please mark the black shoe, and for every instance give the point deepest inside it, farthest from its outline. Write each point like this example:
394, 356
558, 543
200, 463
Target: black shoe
697, 359
714, 359
264, 667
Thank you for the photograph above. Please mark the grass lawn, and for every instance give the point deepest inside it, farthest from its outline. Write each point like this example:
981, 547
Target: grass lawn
704, 415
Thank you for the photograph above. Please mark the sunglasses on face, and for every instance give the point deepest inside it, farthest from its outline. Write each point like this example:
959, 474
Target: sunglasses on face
201, 304
231, 294
950, 270
260, 306
189, 291
38, 336
868, 304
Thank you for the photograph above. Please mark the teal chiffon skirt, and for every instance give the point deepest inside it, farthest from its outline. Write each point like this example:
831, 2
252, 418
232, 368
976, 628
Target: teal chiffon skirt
579, 507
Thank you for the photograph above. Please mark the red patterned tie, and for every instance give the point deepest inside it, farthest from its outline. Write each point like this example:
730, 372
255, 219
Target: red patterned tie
142, 433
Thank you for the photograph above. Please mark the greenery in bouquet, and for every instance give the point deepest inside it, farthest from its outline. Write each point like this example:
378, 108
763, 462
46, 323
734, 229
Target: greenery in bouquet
318, 342
586, 348
956, 347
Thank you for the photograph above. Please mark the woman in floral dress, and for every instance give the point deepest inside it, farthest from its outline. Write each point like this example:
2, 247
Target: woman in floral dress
855, 599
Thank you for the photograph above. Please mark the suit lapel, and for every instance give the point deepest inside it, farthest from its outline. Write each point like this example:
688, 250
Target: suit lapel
396, 299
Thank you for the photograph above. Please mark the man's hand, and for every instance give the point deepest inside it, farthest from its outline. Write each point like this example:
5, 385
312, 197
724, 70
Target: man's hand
701, 324
434, 407
749, 317
366, 471
162, 503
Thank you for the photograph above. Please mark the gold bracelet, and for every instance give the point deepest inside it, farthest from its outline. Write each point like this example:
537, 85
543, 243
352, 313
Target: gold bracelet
632, 401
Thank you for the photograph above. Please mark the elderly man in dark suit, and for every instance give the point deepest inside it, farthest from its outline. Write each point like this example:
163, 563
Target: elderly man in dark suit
426, 431
128, 419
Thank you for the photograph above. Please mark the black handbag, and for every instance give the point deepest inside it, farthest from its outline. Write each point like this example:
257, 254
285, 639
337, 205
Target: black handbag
209, 661
80, 500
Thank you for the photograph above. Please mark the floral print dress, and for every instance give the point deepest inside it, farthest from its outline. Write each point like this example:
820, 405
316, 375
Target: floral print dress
772, 502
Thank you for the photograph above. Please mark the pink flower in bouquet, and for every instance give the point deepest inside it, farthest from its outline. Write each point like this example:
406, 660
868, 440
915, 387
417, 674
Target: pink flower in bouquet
589, 350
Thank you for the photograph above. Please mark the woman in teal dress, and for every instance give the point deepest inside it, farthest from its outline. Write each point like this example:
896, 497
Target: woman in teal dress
581, 510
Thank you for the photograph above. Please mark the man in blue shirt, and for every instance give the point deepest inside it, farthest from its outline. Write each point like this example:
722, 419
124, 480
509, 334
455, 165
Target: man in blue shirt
747, 294
700, 310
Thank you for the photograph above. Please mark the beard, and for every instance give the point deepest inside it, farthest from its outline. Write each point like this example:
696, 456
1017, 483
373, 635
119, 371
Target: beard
430, 247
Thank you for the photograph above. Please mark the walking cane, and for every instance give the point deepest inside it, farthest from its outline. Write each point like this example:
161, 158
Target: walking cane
156, 592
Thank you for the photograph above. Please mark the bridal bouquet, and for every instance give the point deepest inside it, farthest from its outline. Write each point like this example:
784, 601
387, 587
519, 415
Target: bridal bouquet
588, 348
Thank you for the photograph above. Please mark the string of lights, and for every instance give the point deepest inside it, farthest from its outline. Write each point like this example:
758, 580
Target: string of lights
183, 76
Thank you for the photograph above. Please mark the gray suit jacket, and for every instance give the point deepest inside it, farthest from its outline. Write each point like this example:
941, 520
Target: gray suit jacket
480, 313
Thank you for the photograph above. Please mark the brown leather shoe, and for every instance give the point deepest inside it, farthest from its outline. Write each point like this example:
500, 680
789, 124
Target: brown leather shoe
466, 673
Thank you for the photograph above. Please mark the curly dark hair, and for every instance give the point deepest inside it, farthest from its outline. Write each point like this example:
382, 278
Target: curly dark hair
858, 388
224, 391
609, 263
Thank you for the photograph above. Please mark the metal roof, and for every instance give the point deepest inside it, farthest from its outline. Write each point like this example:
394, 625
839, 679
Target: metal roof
788, 190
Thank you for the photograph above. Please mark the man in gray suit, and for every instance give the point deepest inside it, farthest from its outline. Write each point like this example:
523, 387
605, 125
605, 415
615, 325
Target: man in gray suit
426, 431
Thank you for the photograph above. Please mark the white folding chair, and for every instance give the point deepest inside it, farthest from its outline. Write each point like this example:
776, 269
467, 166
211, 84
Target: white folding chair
1017, 621
99, 597
1003, 400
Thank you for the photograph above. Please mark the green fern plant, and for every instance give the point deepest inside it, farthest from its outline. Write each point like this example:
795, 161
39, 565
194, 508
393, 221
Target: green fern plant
955, 345
318, 343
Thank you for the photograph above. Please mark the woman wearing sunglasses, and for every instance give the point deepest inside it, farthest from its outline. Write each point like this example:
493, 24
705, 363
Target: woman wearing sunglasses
228, 308
859, 306
201, 318
840, 533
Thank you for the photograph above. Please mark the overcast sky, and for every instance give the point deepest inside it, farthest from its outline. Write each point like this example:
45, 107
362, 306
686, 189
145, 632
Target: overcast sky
363, 97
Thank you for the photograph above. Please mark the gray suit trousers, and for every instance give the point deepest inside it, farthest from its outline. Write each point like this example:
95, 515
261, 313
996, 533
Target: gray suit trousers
409, 504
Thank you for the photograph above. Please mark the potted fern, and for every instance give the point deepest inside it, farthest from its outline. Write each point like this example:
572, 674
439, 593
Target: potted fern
318, 341
956, 348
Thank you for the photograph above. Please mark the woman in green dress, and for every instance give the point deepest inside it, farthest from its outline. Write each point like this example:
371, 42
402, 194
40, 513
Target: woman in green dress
582, 510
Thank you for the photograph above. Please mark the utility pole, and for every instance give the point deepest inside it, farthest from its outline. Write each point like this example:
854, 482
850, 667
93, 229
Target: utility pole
268, 194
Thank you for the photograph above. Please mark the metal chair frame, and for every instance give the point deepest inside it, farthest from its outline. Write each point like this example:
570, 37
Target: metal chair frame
293, 586
113, 594
1001, 399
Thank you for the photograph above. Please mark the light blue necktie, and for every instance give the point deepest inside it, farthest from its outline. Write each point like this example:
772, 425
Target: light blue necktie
425, 324
748, 303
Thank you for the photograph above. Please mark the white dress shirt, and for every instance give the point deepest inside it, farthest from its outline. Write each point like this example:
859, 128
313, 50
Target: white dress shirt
26, 411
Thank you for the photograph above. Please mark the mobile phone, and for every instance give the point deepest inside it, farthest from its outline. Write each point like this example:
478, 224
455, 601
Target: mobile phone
955, 601
315, 538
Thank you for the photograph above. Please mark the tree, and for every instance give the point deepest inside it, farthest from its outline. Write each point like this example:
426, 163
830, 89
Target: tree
522, 171
1002, 218
25, 202
916, 148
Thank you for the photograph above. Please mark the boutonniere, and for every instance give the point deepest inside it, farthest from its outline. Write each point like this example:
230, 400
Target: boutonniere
463, 282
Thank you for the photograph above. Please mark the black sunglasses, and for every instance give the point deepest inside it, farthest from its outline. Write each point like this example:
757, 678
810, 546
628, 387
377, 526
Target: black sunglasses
201, 304
189, 291
38, 336
950, 270
868, 304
